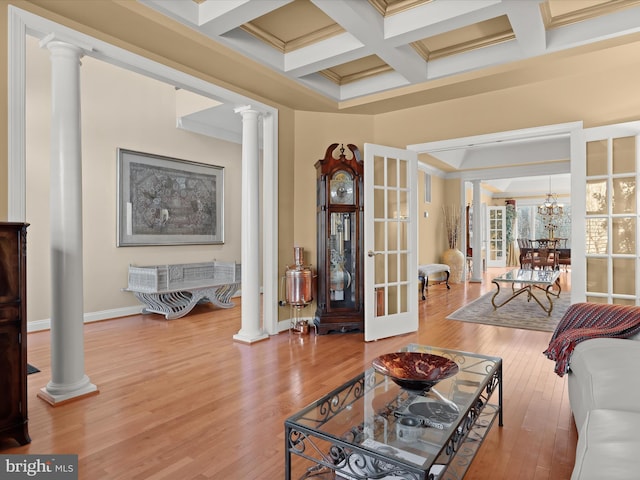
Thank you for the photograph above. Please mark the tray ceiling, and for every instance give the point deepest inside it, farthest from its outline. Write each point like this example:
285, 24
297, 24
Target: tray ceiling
354, 48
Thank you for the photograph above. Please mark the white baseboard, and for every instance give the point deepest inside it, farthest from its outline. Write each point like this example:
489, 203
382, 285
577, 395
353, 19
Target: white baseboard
45, 324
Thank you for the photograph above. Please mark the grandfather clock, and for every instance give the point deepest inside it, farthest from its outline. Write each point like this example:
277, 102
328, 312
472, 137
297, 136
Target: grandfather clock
340, 264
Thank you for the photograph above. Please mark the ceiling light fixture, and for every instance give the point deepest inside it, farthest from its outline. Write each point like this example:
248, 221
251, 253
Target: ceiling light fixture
551, 211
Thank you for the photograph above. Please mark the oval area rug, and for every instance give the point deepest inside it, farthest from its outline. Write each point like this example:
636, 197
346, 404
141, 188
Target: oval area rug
518, 313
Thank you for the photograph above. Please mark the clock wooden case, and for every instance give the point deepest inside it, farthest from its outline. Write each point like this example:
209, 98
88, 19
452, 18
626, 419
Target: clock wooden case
340, 210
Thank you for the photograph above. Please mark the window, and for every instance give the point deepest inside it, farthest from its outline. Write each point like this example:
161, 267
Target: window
427, 188
531, 226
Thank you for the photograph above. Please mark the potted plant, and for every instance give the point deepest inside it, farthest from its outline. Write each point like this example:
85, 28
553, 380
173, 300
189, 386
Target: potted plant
453, 256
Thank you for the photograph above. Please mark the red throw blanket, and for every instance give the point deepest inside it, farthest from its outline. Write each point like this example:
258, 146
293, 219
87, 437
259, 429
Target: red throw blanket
583, 321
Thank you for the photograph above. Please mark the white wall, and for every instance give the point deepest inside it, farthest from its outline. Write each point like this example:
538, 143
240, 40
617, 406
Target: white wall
119, 109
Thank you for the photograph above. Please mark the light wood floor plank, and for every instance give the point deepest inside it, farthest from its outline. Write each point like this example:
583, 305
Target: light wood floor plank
181, 399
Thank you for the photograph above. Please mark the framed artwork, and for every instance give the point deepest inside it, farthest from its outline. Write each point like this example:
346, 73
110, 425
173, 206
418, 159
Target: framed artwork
167, 201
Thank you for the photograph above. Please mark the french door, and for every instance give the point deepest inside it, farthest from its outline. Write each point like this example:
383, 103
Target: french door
605, 174
390, 242
496, 237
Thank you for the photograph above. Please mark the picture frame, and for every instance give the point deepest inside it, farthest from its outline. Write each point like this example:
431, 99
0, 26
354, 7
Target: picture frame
168, 201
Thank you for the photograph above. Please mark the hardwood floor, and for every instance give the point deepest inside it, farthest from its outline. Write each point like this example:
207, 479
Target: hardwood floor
181, 400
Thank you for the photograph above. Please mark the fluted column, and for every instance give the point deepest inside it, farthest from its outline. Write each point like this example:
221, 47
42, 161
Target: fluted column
251, 329
68, 379
476, 275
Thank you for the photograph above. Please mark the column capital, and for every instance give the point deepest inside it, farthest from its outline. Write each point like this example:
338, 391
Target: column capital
53, 40
247, 110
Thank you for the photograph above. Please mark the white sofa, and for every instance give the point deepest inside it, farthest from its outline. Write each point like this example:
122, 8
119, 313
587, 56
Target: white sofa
604, 394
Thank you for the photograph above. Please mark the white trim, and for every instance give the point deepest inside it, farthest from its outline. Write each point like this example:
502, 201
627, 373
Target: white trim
21, 22
270, 222
16, 144
45, 324
431, 170
554, 168
525, 134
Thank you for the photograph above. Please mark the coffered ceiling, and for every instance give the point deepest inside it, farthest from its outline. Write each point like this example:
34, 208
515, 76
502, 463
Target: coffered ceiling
350, 49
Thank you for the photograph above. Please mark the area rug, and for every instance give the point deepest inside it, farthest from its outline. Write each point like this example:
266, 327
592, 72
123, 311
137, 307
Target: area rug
31, 369
518, 313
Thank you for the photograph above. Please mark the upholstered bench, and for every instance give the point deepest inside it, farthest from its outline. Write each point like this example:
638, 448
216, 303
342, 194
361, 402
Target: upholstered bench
425, 271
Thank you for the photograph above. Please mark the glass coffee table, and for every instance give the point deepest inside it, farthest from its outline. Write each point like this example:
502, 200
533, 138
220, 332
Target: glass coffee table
529, 280
372, 428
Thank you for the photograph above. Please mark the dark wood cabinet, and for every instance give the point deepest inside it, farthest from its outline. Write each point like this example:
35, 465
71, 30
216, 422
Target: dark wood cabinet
340, 208
13, 332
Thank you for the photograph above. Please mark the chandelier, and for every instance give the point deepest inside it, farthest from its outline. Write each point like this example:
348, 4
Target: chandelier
551, 212
551, 207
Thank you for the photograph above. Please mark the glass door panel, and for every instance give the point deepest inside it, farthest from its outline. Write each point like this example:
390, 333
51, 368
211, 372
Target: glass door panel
624, 279
624, 235
597, 158
624, 195
624, 155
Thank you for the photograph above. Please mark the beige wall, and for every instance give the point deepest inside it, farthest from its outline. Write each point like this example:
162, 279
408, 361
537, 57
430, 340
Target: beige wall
119, 109
431, 236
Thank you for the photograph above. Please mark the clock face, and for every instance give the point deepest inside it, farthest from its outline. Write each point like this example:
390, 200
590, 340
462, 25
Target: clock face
341, 188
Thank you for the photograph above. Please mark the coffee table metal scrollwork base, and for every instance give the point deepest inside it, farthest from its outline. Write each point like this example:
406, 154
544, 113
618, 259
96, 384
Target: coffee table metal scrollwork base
356, 432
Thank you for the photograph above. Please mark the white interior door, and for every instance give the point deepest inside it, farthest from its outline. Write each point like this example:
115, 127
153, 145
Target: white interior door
605, 228
496, 237
390, 242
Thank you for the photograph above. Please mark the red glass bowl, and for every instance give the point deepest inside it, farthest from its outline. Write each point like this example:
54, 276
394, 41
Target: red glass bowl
414, 370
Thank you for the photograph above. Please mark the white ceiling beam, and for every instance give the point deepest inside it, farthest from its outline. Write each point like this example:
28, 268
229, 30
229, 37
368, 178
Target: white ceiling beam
324, 54
367, 25
252, 48
477, 59
222, 16
322, 84
438, 17
371, 85
528, 25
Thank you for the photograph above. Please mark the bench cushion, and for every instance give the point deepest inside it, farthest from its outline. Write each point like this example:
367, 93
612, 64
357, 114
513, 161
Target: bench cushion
432, 268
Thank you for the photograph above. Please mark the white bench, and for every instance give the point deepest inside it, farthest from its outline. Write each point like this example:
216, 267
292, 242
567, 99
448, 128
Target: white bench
425, 271
173, 290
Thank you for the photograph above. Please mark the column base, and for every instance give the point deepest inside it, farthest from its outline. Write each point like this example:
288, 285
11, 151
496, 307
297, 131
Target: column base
250, 338
56, 400
475, 280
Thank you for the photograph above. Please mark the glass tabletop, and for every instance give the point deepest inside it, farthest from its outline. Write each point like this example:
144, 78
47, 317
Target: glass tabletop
376, 415
528, 275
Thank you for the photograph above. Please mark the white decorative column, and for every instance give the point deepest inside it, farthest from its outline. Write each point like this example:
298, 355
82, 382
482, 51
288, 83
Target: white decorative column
68, 379
476, 274
251, 330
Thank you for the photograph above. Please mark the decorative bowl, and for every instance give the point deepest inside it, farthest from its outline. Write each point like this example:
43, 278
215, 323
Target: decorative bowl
414, 370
